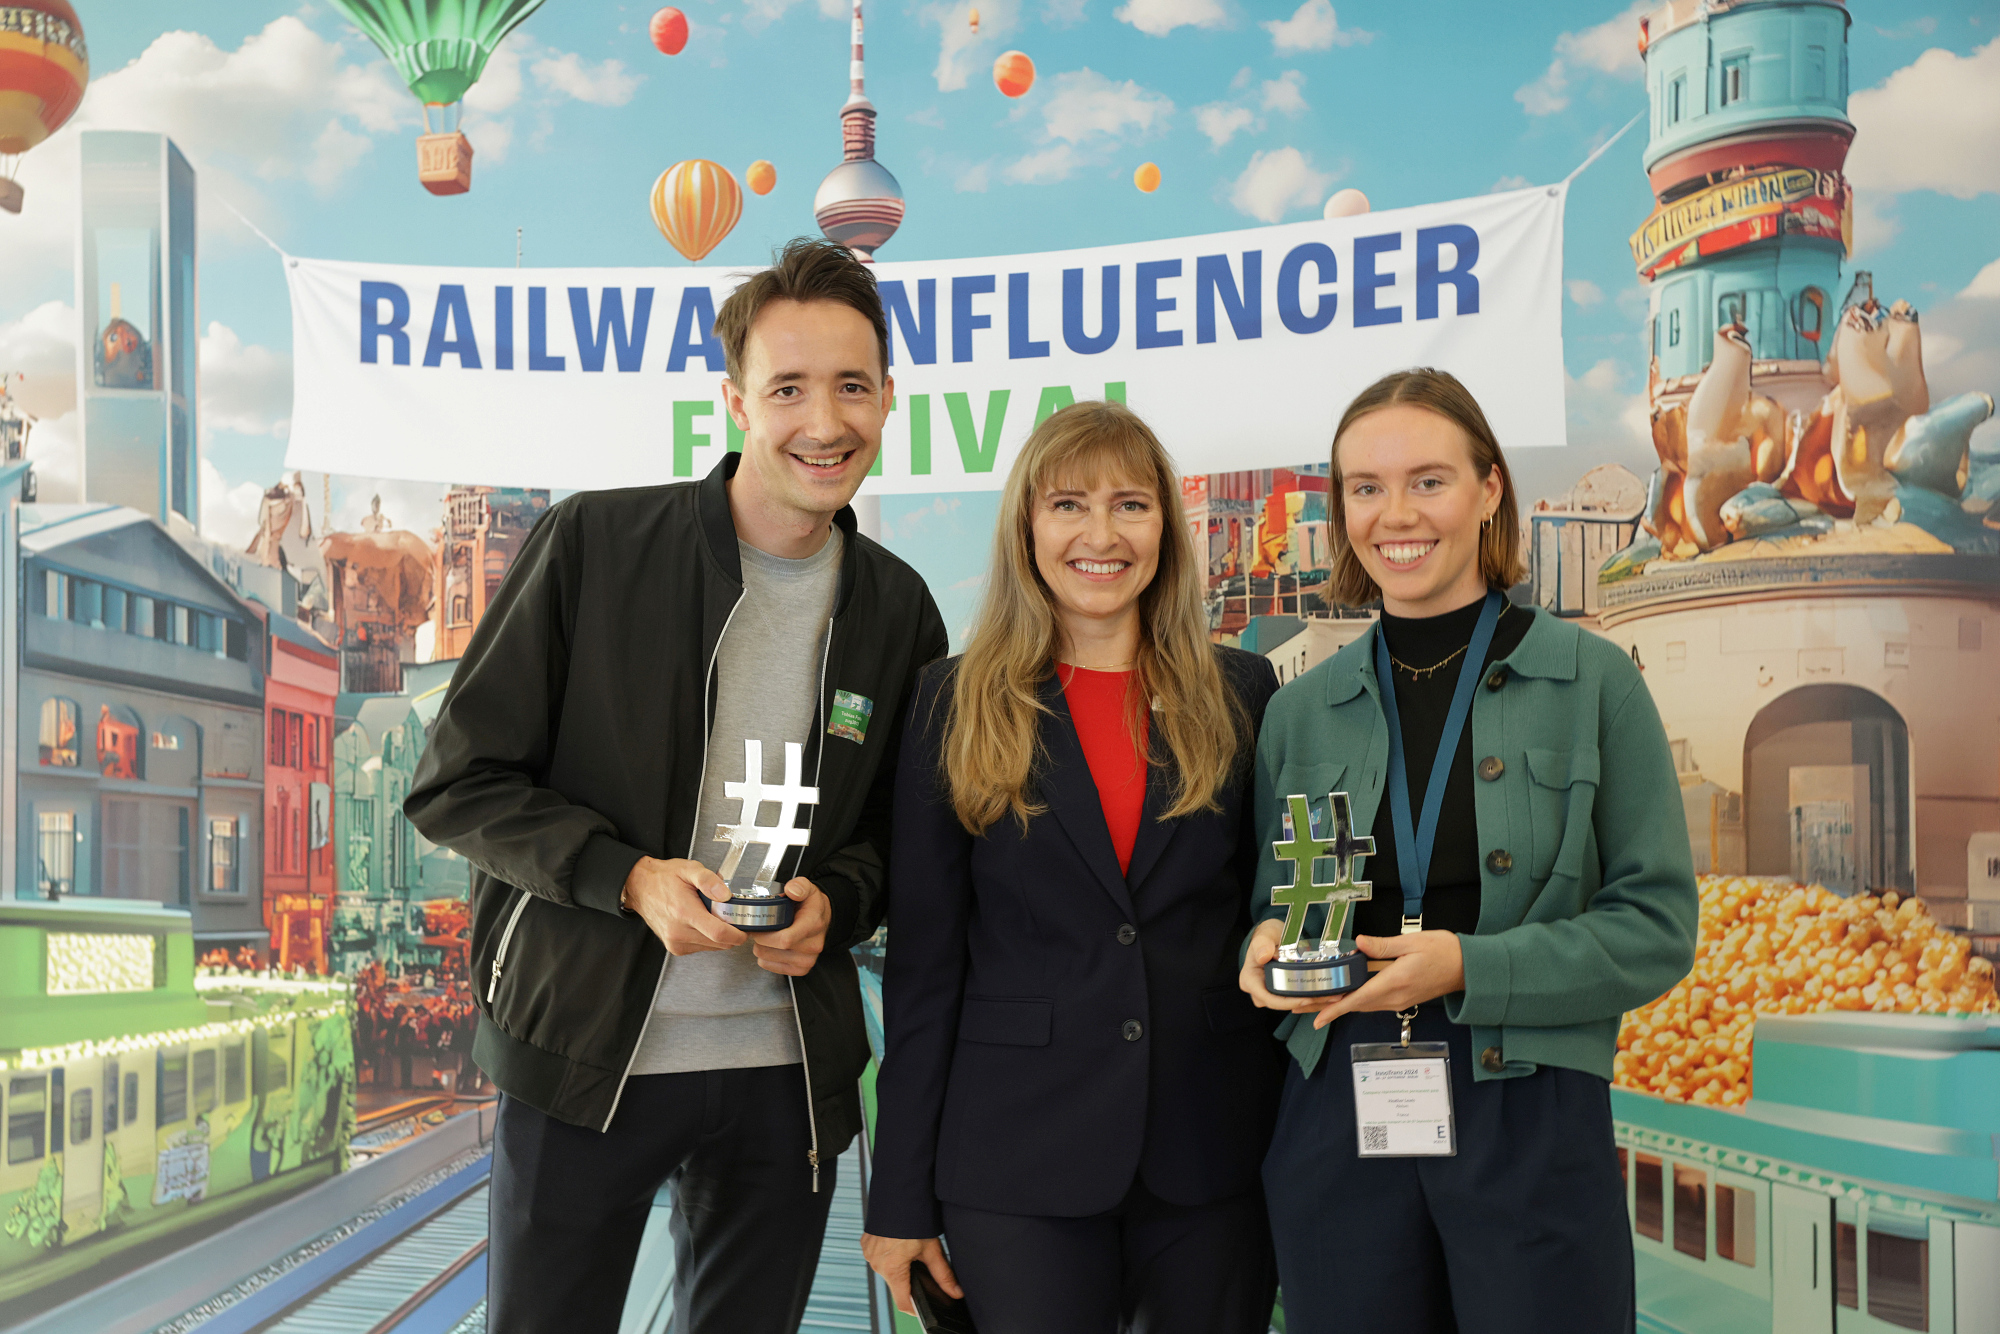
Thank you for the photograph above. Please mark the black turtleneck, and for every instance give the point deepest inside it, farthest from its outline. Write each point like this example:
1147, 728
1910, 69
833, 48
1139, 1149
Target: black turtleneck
1451, 895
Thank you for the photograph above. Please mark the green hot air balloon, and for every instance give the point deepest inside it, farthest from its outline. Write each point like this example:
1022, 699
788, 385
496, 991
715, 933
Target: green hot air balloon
440, 47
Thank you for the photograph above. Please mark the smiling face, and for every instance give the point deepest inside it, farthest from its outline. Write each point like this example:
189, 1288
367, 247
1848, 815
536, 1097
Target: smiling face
811, 406
1414, 502
1097, 547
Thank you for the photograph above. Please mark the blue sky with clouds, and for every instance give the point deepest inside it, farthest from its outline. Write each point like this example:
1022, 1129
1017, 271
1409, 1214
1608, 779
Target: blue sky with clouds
1254, 112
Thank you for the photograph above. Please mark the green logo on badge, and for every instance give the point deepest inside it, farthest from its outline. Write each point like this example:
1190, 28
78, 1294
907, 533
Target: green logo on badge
850, 716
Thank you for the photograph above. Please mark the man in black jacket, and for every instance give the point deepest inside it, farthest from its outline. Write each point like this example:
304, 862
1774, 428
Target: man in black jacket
649, 649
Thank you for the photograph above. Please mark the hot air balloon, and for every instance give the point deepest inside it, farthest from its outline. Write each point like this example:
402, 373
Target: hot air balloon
1349, 203
1147, 178
975, 20
440, 50
695, 204
669, 30
1013, 73
761, 177
43, 70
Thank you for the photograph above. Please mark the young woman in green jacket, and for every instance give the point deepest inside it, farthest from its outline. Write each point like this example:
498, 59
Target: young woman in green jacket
1443, 1159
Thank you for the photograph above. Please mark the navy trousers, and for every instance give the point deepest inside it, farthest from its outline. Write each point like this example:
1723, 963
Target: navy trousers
1146, 1267
568, 1206
1523, 1232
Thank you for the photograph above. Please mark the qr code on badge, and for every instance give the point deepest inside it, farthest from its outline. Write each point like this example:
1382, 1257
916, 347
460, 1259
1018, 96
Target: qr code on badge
1374, 1139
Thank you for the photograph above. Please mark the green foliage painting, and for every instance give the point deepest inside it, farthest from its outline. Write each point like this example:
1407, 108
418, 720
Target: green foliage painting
37, 1215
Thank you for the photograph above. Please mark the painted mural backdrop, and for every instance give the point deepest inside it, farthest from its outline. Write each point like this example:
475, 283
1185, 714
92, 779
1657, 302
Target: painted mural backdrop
229, 966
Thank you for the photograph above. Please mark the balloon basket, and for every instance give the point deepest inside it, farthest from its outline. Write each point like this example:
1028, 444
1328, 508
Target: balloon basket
10, 195
444, 163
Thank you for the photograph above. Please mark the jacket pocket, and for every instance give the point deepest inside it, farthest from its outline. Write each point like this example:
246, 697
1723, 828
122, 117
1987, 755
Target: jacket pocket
1562, 795
1005, 1022
1229, 1009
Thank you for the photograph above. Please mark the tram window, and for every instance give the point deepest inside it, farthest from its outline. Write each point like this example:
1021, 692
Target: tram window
232, 1074
1846, 1267
204, 1080
79, 1116
131, 1096
1651, 1209
1691, 1212
172, 1088
269, 1071
27, 1118
1624, 1167
110, 1096
1898, 1273
1735, 1224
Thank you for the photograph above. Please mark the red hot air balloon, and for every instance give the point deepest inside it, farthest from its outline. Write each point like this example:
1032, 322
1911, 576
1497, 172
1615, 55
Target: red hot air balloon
669, 31
43, 69
1013, 73
695, 204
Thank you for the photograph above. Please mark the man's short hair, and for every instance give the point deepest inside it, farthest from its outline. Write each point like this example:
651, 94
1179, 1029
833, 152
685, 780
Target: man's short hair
808, 268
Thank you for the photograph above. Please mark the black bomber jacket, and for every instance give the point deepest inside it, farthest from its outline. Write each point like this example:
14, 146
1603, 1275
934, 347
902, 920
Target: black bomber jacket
571, 742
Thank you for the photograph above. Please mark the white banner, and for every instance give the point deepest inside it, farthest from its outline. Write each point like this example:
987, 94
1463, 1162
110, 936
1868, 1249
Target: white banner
1240, 348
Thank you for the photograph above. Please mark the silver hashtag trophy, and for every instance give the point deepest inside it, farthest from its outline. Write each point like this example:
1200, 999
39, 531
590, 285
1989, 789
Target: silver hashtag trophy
756, 901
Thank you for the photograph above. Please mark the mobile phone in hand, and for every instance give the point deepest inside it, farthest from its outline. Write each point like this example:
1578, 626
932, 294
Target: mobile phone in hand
937, 1310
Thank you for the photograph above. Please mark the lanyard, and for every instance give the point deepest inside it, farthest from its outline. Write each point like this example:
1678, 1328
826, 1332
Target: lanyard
1413, 846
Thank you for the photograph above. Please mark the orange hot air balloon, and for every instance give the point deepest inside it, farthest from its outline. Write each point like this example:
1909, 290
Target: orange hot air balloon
761, 177
43, 69
975, 20
669, 31
1147, 178
695, 204
1013, 73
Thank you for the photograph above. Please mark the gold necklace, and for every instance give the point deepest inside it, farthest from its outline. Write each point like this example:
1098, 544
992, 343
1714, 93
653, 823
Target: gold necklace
1419, 673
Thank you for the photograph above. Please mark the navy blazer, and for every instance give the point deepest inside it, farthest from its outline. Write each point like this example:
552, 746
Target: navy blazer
1054, 1027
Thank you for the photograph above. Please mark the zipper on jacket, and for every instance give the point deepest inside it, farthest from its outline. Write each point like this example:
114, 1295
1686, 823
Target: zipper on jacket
791, 983
500, 954
694, 834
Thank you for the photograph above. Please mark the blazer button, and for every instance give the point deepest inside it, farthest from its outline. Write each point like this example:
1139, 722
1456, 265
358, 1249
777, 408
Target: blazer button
1499, 861
1127, 933
1497, 679
1133, 1030
1492, 1060
1492, 767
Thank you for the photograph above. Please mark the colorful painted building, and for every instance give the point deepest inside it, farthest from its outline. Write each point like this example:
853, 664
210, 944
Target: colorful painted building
301, 681
484, 528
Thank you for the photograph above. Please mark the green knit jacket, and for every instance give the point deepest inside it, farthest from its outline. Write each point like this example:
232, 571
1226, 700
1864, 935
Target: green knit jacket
1587, 892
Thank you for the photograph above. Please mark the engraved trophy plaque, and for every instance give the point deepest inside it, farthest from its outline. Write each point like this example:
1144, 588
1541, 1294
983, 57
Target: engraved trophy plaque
1318, 968
757, 900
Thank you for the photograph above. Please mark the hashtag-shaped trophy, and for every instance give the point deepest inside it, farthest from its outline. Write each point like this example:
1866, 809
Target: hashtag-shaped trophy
756, 901
1318, 967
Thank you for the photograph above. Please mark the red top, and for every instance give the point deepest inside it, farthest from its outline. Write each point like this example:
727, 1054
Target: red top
1097, 704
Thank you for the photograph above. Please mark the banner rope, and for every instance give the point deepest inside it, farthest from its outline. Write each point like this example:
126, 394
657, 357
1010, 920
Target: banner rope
1602, 148
281, 250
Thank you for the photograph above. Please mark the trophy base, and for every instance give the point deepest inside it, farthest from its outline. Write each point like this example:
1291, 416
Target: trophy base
1316, 977
756, 914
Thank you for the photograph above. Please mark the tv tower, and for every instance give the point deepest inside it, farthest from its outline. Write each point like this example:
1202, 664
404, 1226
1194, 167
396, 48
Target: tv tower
859, 203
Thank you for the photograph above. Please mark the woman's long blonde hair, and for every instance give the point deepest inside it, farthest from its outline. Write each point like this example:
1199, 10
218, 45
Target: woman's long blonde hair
992, 744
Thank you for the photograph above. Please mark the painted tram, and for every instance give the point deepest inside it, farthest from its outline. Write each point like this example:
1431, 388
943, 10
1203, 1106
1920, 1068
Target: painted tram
138, 1098
1857, 1191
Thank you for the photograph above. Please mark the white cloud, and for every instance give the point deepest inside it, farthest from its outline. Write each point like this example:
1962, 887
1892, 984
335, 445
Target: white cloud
1875, 221
54, 449
1985, 283
41, 348
605, 84
961, 55
1609, 48
1286, 93
1063, 13
1276, 182
1083, 105
1584, 292
762, 13
1932, 125
1506, 183
1157, 18
228, 513
1054, 163
1222, 121
245, 388
974, 179
1313, 26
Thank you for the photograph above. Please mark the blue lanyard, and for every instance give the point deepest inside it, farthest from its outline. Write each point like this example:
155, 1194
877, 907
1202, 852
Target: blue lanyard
1413, 846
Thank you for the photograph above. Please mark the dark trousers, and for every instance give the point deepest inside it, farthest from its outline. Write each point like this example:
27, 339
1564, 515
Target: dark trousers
1148, 1267
1523, 1232
569, 1204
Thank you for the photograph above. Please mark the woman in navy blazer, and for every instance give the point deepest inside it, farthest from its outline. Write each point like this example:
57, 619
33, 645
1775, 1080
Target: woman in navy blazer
1075, 1094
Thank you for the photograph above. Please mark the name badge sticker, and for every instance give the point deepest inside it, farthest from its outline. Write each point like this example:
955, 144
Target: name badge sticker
1402, 1100
850, 716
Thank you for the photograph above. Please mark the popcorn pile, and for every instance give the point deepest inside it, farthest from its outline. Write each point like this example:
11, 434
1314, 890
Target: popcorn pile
1780, 947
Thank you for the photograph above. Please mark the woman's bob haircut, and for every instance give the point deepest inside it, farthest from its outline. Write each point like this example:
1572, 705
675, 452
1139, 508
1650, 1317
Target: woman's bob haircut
1500, 559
